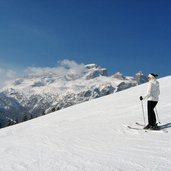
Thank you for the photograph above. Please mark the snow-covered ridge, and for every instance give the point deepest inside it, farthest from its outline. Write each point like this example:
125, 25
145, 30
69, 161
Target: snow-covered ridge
44, 90
92, 136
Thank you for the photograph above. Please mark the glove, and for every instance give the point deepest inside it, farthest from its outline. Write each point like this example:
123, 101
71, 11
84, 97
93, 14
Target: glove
141, 98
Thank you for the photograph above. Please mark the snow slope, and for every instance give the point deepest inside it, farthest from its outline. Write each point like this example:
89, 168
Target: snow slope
91, 136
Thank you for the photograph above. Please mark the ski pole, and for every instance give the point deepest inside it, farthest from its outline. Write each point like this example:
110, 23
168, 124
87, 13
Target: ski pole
143, 111
157, 115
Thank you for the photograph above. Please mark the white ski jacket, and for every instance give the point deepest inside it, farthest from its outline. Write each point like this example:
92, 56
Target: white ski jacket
153, 91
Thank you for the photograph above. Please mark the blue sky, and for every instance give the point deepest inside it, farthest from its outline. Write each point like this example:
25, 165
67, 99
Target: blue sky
121, 35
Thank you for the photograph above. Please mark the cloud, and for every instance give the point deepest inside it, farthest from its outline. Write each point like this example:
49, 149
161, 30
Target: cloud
7, 75
65, 70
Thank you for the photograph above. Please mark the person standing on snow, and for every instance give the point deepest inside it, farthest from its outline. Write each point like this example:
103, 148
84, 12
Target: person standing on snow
152, 96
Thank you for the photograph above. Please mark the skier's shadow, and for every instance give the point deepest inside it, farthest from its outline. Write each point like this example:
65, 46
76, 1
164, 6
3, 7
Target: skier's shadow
164, 126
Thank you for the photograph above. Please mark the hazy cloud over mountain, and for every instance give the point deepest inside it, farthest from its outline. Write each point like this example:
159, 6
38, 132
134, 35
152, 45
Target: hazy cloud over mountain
6, 75
63, 68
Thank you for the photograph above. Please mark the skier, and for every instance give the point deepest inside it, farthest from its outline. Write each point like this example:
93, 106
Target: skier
152, 97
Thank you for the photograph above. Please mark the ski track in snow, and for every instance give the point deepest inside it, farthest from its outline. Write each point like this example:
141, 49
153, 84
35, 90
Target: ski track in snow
91, 136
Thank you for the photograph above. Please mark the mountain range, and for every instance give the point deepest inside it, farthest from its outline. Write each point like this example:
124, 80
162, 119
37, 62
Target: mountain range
46, 90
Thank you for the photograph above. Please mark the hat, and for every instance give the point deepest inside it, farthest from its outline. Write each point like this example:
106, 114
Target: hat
151, 75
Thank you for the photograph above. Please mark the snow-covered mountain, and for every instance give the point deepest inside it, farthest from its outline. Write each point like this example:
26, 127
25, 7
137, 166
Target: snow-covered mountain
44, 90
92, 136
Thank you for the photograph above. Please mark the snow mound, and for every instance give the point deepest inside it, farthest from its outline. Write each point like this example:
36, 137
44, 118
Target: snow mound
91, 136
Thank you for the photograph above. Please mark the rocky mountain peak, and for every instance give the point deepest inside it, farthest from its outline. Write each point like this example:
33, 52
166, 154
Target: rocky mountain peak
45, 90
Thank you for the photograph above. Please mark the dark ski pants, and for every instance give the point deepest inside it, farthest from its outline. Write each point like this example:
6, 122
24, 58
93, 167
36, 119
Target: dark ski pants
151, 114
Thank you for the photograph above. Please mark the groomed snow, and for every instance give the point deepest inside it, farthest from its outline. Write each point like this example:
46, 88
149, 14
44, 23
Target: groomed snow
92, 136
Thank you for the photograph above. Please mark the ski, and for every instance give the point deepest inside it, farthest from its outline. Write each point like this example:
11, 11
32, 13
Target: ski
160, 129
139, 124
136, 128
130, 127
